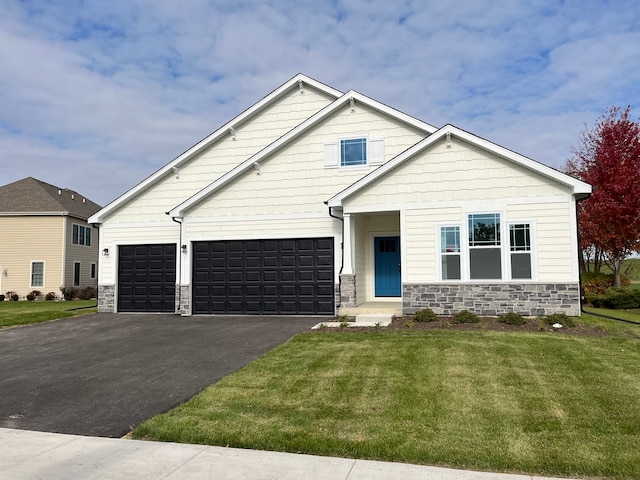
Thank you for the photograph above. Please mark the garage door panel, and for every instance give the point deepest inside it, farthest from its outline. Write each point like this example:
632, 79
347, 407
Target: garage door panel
146, 278
273, 276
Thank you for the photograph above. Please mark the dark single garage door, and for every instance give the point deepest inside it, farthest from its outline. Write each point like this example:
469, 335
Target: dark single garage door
147, 278
264, 277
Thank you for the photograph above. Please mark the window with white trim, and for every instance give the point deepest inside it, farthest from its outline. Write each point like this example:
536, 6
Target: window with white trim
520, 250
359, 151
81, 235
450, 254
76, 274
353, 152
93, 270
485, 251
37, 274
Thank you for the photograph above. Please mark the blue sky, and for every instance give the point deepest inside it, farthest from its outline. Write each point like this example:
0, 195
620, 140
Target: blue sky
96, 95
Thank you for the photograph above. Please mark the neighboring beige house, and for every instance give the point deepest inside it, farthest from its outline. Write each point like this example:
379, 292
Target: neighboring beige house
314, 201
45, 240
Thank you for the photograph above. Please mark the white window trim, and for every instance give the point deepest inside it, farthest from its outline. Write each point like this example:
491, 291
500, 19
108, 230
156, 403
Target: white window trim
73, 280
463, 261
505, 251
44, 265
84, 240
353, 137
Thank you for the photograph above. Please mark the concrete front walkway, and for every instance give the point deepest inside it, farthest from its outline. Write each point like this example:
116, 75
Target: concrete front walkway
51, 456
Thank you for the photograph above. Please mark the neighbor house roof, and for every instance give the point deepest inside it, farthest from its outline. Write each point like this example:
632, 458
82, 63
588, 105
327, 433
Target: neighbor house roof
297, 82
351, 97
31, 196
450, 133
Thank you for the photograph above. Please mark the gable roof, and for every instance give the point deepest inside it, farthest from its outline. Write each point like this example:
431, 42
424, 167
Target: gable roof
350, 96
31, 196
297, 82
447, 132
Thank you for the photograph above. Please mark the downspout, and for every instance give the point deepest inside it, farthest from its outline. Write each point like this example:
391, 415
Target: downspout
179, 250
582, 310
341, 253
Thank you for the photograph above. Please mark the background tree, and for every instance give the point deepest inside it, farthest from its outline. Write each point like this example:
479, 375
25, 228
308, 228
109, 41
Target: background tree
608, 157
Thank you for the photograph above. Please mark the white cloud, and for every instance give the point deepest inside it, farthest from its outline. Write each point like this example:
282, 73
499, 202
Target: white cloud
104, 93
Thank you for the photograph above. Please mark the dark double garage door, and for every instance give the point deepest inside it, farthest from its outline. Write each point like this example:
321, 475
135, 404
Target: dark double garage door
255, 277
264, 277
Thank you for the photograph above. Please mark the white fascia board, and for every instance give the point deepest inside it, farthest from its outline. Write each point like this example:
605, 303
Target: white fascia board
578, 187
179, 210
207, 141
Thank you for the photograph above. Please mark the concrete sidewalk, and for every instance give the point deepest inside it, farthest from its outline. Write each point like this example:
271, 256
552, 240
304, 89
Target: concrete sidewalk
51, 456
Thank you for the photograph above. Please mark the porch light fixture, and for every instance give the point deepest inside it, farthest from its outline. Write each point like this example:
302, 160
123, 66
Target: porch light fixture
176, 171
183, 248
352, 102
232, 131
105, 252
256, 167
448, 139
301, 86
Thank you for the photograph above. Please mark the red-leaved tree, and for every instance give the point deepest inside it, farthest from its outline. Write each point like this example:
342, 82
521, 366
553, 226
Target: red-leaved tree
608, 157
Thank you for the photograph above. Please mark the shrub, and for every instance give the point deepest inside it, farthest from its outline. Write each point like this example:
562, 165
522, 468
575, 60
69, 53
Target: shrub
512, 318
31, 297
617, 299
87, 293
465, 316
50, 296
425, 315
597, 283
560, 318
13, 296
69, 293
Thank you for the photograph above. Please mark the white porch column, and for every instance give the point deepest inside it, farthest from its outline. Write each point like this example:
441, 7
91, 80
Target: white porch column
347, 245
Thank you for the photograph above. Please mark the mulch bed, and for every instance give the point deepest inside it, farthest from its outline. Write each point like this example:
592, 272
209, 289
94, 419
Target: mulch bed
485, 323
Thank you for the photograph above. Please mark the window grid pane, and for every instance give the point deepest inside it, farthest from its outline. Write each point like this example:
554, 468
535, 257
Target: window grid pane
75, 235
353, 152
520, 237
37, 274
450, 239
484, 230
88, 237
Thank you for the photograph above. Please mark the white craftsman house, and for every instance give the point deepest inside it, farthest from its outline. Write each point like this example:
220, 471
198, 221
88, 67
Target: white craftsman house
315, 201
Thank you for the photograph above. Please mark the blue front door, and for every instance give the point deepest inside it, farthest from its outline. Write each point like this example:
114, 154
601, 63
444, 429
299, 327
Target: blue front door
387, 267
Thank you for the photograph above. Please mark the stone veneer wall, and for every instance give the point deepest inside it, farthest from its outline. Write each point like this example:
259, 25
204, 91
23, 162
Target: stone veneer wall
106, 298
183, 299
493, 299
347, 290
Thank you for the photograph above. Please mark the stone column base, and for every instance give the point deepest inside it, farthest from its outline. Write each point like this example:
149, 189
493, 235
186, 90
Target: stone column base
106, 298
347, 290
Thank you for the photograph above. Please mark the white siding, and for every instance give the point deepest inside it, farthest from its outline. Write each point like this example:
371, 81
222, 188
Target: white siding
250, 137
421, 242
294, 180
460, 173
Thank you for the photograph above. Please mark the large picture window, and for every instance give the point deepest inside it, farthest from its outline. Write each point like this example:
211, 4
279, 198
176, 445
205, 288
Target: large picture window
450, 253
485, 255
353, 152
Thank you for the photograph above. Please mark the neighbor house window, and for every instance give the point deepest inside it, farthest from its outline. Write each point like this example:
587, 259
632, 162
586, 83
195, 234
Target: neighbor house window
76, 274
520, 250
93, 270
37, 274
485, 255
81, 235
353, 152
450, 253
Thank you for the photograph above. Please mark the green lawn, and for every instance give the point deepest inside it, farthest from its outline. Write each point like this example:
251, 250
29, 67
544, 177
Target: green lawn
537, 403
24, 313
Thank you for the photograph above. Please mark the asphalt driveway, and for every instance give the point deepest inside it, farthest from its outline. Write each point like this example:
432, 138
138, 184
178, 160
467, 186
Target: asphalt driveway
102, 374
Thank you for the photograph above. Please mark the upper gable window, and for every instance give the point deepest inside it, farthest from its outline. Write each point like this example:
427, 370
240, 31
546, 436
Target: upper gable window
353, 152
